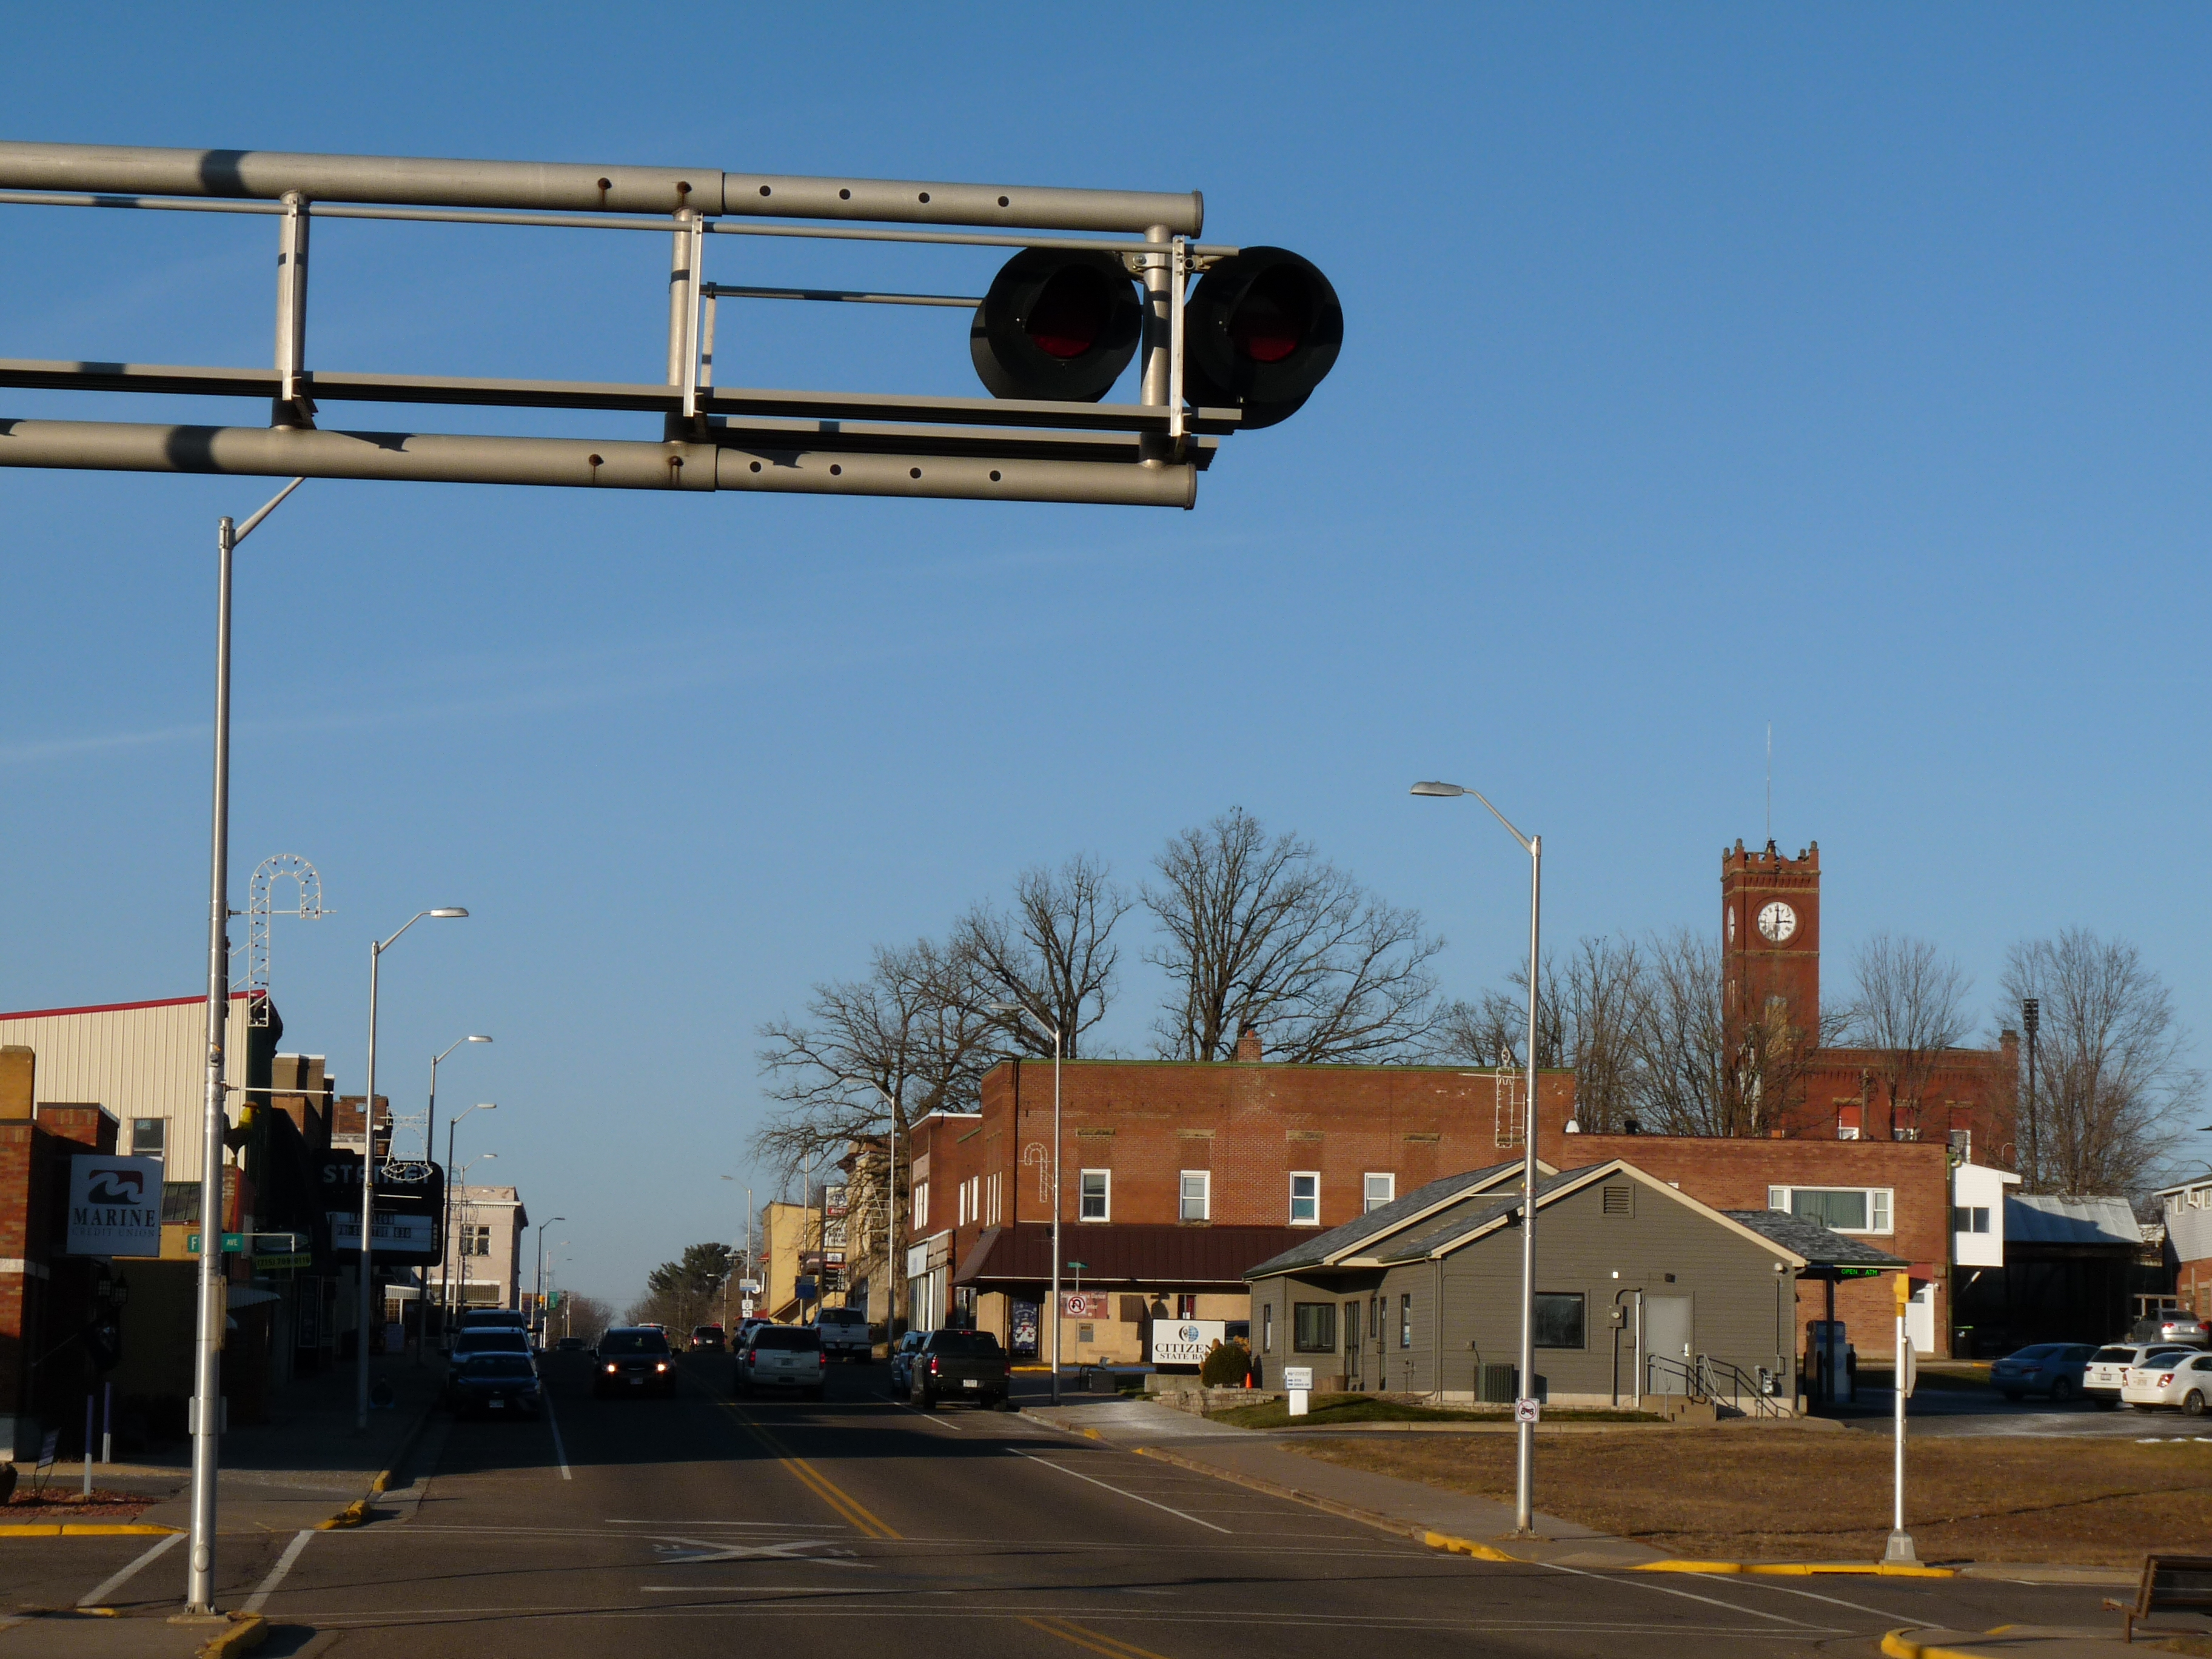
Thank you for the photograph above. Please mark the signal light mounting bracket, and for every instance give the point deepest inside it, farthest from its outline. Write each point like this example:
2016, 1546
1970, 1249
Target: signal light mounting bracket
1178, 287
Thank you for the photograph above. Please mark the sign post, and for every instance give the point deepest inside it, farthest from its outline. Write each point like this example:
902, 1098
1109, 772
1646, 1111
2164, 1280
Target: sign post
1900, 1542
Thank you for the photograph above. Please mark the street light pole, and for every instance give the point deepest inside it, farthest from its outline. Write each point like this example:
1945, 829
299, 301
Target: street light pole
446, 1255
430, 1150
376, 949
1052, 1026
894, 1269
1523, 1407
538, 1296
214, 1299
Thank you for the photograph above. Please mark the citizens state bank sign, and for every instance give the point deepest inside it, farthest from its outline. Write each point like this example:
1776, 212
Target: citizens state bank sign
114, 1206
1186, 1341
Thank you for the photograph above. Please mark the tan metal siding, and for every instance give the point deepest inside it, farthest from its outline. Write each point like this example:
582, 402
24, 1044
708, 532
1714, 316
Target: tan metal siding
136, 1062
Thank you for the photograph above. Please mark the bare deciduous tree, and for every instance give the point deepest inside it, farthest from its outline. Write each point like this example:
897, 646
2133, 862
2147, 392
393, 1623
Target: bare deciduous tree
912, 1032
1054, 955
1908, 1003
1264, 936
2114, 1082
1589, 1017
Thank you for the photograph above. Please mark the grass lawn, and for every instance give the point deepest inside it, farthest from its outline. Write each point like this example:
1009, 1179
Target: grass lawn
1327, 1408
1745, 1492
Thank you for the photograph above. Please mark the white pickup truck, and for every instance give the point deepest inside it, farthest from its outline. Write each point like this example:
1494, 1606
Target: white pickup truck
844, 1335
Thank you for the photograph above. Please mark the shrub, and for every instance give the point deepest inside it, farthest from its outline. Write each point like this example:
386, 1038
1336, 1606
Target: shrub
1225, 1366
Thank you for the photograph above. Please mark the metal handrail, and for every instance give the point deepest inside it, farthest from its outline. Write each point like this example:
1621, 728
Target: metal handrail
1707, 1378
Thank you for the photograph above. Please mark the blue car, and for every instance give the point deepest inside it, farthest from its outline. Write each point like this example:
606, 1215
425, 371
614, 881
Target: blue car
903, 1354
2051, 1368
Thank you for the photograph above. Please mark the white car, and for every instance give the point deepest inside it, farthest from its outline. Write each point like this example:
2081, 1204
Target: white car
2183, 1379
2107, 1373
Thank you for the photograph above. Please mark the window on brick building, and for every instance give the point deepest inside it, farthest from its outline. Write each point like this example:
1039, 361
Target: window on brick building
1382, 1187
1196, 1203
1305, 1199
1187, 1305
920, 1205
1096, 1202
1845, 1209
1850, 1117
1313, 1327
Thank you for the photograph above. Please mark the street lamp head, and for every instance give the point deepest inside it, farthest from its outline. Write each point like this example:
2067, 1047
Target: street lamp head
1438, 789
485, 1106
476, 1039
449, 910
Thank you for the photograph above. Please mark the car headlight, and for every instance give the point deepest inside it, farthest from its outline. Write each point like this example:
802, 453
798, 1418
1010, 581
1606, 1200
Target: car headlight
660, 1364
611, 1371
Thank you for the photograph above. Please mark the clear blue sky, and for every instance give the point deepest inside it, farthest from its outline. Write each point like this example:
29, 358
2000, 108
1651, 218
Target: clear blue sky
1842, 368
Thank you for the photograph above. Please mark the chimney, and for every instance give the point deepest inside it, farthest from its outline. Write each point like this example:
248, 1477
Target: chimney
1248, 1047
18, 1067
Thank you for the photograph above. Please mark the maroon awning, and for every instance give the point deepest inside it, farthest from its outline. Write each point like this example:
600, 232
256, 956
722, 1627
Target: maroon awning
1137, 1253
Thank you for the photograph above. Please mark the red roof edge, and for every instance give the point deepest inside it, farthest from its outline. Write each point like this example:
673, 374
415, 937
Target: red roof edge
119, 1007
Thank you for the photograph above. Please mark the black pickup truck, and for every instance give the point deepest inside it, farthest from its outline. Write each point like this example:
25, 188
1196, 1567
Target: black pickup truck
967, 1366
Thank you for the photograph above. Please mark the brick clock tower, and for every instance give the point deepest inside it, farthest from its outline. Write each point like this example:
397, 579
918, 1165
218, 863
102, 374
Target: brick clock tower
1771, 935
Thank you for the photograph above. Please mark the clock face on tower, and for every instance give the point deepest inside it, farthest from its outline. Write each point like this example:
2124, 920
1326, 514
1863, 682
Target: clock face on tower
1777, 921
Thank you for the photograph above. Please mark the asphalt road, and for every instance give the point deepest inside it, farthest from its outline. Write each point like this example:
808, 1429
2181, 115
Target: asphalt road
698, 1523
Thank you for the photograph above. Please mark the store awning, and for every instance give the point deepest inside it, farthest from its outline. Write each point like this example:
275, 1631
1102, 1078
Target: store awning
1162, 1256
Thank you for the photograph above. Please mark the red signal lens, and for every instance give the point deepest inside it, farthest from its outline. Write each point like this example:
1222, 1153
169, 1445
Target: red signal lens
1070, 312
1268, 325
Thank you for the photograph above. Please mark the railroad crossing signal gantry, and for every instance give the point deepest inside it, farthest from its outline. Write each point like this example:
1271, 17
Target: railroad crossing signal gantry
1098, 278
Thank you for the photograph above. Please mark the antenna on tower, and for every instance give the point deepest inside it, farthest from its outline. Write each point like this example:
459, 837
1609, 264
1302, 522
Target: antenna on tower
1769, 779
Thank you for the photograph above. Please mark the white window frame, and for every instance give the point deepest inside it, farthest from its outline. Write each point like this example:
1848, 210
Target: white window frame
1205, 1180
920, 1205
1881, 1203
1312, 1198
1367, 1189
1105, 1195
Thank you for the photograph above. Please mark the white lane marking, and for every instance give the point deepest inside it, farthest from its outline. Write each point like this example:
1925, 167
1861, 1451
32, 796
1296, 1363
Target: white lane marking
1636, 1579
559, 1450
689, 1550
1760, 1580
97, 1596
779, 1526
1183, 1514
930, 1417
261, 1596
780, 1590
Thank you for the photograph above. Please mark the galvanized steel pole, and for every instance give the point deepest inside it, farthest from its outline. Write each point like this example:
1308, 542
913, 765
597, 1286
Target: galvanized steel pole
1525, 1473
207, 1342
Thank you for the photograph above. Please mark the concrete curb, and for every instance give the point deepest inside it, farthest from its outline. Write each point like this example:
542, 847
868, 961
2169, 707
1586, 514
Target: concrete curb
357, 1513
84, 1530
2020, 1640
247, 1630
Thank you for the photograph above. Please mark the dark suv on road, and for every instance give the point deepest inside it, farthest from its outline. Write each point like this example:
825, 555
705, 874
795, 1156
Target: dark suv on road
633, 1359
967, 1366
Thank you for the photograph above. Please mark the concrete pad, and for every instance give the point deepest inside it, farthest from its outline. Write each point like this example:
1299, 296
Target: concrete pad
72, 1636
2008, 1641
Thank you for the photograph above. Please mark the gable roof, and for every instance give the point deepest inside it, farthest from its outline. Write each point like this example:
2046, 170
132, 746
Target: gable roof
1364, 1245
1327, 1248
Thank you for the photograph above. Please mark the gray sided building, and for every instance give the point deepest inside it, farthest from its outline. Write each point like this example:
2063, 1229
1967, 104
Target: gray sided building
1640, 1290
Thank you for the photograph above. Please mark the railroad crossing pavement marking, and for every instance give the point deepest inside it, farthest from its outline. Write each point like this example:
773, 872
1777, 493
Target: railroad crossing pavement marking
1083, 1637
819, 1483
261, 1596
688, 1551
98, 1595
1182, 1514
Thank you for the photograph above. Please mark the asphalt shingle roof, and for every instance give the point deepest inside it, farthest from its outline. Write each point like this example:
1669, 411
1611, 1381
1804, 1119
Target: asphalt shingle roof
1380, 1222
1823, 1247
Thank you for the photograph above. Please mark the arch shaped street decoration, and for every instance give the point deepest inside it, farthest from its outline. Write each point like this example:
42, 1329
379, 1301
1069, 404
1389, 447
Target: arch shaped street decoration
1097, 279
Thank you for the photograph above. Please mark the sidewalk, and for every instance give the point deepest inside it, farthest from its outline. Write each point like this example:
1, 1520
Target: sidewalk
305, 1465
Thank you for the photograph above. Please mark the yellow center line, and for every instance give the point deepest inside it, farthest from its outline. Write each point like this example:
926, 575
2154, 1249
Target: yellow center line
1108, 1647
850, 1507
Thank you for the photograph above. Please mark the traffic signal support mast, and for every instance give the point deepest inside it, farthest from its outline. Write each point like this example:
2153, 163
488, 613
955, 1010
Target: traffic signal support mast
1058, 327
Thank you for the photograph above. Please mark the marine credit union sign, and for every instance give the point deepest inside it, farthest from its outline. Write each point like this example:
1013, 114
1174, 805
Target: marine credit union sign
114, 1206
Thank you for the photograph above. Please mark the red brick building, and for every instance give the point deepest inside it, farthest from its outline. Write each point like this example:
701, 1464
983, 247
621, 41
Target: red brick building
1176, 1178
45, 1296
1771, 994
